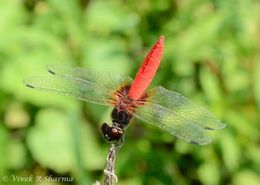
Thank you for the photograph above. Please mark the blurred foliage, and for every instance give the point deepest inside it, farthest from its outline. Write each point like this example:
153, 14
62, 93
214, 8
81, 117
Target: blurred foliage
211, 56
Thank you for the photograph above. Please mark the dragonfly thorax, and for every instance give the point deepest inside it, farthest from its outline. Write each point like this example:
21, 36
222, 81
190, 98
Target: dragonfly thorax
120, 118
123, 102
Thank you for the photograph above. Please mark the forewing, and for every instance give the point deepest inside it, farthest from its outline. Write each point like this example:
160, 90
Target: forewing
95, 87
107, 80
179, 116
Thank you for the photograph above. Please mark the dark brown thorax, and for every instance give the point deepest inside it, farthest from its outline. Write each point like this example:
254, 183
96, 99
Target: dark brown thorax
121, 114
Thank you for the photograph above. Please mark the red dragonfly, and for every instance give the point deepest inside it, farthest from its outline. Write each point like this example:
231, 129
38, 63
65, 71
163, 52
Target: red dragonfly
163, 108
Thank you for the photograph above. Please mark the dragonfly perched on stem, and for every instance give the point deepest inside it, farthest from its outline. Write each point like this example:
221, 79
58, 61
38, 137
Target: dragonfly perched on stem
161, 107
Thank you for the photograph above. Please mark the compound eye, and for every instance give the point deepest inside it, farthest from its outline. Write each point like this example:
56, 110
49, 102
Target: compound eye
104, 128
111, 133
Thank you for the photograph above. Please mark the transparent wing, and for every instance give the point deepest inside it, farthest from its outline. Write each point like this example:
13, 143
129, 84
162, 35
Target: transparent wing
177, 115
95, 87
107, 80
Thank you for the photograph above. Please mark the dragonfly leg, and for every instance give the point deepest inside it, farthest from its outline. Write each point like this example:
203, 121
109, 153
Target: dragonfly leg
120, 143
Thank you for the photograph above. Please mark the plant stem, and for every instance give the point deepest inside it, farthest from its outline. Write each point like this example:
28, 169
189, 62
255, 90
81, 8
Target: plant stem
109, 171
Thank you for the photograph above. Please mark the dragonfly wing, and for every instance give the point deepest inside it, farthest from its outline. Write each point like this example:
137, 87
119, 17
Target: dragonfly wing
176, 114
184, 108
176, 125
87, 92
107, 80
95, 87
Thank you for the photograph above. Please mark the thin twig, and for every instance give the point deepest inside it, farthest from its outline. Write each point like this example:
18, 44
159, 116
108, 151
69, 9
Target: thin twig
109, 171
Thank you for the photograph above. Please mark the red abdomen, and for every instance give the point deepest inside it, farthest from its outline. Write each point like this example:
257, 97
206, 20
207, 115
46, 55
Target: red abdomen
147, 71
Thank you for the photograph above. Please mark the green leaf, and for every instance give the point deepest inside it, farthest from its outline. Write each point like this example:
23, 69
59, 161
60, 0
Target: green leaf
194, 43
246, 176
231, 152
209, 173
253, 153
106, 55
11, 15
50, 141
107, 16
62, 143
17, 154
210, 85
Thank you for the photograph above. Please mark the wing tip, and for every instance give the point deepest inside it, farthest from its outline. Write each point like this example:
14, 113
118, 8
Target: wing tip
221, 125
52, 72
27, 83
49, 69
30, 86
205, 142
202, 142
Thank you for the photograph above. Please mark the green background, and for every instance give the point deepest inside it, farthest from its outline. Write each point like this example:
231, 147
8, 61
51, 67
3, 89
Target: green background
211, 56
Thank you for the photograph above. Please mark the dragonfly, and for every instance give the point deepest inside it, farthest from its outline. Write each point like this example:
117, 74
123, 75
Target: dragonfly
166, 109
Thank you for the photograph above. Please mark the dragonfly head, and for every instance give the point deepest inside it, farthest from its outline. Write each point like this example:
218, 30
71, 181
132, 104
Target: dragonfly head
112, 133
